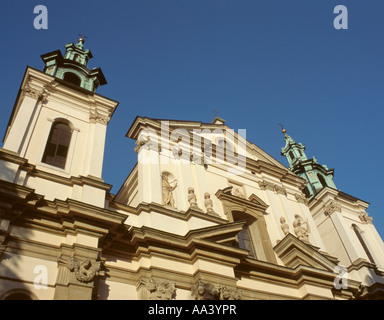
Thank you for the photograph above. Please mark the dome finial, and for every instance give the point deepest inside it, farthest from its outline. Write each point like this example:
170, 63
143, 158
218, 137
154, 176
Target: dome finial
282, 128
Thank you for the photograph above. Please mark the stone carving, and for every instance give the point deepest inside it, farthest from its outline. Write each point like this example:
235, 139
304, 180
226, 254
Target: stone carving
95, 117
265, 185
230, 293
160, 289
302, 233
192, 198
238, 193
205, 291
32, 93
365, 218
140, 143
279, 190
208, 203
208, 291
301, 198
284, 226
333, 207
168, 199
85, 270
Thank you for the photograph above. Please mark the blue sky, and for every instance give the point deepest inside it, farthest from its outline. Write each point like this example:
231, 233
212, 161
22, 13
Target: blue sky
257, 63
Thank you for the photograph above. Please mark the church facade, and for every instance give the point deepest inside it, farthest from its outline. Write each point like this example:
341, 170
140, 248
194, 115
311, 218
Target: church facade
204, 215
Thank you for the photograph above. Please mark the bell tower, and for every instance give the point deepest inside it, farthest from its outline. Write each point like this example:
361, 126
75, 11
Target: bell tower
317, 176
58, 126
72, 68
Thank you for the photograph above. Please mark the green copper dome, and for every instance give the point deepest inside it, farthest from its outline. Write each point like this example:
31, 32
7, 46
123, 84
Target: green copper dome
72, 68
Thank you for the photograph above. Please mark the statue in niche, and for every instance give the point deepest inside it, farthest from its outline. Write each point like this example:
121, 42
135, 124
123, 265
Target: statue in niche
284, 226
168, 199
192, 198
301, 232
208, 202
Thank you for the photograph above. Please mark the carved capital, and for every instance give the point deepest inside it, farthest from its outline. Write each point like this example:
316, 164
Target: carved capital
31, 92
333, 207
365, 218
209, 291
279, 190
264, 185
85, 270
160, 289
95, 117
301, 198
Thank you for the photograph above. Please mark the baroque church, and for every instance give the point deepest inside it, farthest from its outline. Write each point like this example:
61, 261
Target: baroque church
204, 214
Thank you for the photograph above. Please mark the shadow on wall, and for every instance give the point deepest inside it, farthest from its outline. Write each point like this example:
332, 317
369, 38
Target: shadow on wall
16, 282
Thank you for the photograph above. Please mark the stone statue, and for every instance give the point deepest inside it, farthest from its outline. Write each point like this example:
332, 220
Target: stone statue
192, 198
208, 202
300, 231
284, 226
168, 199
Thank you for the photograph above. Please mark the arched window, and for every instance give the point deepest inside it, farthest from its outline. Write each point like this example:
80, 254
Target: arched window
245, 241
77, 58
291, 155
56, 149
72, 78
300, 153
18, 294
322, 180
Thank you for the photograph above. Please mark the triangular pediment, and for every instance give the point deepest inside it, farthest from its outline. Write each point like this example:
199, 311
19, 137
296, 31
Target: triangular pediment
253, 152
223, 234
294, 252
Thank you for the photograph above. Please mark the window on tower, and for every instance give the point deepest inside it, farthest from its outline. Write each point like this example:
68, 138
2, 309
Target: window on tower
72, 78
322, 180
56, 150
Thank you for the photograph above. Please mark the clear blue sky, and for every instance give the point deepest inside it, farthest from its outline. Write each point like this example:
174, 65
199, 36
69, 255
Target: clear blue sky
258, 63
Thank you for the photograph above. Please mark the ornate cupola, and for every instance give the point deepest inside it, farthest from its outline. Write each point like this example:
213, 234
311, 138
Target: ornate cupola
72, 68
318, 176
